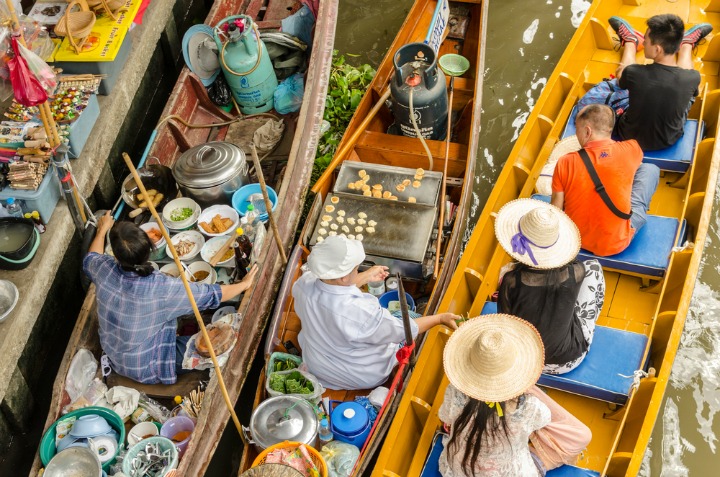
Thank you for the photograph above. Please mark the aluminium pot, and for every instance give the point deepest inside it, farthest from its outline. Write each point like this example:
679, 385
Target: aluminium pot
283, 418
19, 241
210, 173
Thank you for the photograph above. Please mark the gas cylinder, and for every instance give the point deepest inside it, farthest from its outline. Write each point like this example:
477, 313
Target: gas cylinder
246, 64
416, 72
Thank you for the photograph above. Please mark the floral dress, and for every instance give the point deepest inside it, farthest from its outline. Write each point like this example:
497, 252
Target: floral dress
499, 457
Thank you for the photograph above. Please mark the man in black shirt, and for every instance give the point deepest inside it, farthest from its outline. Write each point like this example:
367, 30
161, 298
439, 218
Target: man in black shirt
662, 92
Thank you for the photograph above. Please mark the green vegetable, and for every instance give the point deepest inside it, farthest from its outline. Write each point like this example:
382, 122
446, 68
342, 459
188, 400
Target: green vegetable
181, 213
291, 383
277, 382
285, 365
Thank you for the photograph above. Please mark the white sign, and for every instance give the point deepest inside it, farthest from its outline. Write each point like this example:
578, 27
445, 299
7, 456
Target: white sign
437, 27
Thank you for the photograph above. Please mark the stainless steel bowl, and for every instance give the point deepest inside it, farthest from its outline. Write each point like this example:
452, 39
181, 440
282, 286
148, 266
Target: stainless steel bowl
9, 295
74, 462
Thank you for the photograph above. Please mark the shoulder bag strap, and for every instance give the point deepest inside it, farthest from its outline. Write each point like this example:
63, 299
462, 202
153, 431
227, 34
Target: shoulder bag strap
599, 187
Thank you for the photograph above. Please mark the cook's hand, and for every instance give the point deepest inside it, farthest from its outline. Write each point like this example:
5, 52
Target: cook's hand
248, 279
448, 319
376, 273
105, 222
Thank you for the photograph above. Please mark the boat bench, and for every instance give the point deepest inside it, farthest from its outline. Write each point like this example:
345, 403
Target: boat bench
676, 158
648, 255
432, 468
608, 369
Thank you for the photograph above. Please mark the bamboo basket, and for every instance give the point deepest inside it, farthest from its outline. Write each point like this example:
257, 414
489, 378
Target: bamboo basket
76, 26
314, 455
112, 8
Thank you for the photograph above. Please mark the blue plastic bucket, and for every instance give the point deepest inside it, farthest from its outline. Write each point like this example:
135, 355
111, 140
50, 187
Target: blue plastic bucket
387, 297
240, 199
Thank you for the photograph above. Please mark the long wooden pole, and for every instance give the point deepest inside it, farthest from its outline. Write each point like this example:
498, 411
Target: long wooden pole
268, 204
441, 219
186, 284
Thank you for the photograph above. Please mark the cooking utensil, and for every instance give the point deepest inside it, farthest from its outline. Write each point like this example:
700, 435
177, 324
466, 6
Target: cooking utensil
283, 418
19, 241
79, 461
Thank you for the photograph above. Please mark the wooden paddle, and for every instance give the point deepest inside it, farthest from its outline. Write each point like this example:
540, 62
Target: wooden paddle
268, 204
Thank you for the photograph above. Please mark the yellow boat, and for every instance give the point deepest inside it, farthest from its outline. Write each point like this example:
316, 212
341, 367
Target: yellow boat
641, 303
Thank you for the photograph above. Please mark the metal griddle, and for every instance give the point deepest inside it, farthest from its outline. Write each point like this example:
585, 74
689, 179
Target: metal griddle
389, 177
402, 232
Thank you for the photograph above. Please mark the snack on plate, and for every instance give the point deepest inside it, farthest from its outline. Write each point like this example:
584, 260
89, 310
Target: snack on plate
416, 184
329, 208
335, 200
217, 225
412, 200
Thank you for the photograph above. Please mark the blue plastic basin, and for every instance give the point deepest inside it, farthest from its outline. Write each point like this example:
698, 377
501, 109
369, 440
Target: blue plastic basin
387, 297
240, 199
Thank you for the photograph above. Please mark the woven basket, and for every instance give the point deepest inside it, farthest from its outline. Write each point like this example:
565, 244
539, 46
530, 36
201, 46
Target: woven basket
288, 445
112, 8
76, 26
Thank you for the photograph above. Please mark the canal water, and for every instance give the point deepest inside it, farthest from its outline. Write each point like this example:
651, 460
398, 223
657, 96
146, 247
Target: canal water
524, 41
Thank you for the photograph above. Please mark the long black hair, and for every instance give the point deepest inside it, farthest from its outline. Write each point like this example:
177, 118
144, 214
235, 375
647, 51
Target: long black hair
482, 423
131, 247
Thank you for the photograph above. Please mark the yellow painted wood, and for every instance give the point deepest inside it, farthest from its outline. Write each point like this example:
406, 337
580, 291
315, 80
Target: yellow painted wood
620, 434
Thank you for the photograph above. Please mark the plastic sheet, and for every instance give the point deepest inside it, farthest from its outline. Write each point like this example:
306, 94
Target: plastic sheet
314, 396
340, 458
81, 373
289, 94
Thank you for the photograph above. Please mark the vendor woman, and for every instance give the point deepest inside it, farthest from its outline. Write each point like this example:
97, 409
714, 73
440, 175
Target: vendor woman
348, 340
137, 307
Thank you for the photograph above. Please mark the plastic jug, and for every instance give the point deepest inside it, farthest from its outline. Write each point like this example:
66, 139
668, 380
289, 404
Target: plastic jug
349, 422
246, 64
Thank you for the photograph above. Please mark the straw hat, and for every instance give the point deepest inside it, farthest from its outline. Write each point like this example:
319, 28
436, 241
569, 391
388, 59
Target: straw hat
494, 357
544, 183
532, 229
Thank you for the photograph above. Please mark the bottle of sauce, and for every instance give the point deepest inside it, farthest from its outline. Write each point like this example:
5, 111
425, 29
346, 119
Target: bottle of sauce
243, 249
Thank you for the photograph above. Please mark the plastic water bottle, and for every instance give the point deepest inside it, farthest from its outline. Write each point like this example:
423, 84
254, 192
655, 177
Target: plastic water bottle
325, 434
14, 208
251, 214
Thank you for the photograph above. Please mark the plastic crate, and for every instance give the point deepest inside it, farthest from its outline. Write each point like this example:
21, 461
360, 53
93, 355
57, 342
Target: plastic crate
44, 199
82, 127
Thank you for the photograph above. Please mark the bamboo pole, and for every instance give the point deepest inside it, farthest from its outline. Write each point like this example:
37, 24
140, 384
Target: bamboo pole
186, 284
268, 204
441, 219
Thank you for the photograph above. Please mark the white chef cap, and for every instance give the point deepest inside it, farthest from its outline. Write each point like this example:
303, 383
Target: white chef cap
335, 257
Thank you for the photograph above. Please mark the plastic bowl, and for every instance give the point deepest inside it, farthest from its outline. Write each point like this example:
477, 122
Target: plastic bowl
170, 269
175, 425
180, 203
240, 199
191, 235
90, 426
224, 211
387, 297
164, 444
47, 444
210, 249
139, 431
159, 252
74, 461
198, 267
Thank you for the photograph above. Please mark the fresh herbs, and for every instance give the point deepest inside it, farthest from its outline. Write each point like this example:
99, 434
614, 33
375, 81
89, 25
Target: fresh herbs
290, 383
181, 213
285, 365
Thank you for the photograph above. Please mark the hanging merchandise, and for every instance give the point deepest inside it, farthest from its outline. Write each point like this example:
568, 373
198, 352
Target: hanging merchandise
246, 64
40, 69
418, 93
27, 89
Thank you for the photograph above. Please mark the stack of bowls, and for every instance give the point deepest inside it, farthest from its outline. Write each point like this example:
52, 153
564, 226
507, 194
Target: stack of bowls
159, 252
210, 249
180, 203
224, 211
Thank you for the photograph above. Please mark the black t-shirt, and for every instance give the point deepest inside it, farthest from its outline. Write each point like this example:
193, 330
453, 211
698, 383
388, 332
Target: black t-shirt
660, 97
527, 293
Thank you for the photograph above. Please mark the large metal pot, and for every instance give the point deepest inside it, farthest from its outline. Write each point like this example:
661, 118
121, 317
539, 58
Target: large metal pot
211, 172
283, 418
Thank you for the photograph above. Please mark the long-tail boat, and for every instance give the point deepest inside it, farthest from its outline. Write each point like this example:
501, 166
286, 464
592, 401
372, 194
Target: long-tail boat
648, 287
376, 148
189, 102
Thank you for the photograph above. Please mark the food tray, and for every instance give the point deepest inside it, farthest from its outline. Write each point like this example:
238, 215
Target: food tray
389, 177
402, 232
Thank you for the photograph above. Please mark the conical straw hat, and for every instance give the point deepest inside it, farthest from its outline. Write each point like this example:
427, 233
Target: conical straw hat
544, 183
494, 357
551, 236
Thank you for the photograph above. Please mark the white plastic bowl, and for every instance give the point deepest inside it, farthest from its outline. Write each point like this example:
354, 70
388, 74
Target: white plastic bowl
210, 249
170, 269
191, 235
201, 266
181, 203
226, 212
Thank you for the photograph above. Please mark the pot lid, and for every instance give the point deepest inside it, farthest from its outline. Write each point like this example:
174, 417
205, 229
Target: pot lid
209, 164
349, 418
283, 418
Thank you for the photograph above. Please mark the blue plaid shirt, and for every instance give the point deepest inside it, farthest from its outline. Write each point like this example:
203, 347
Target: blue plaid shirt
137, 317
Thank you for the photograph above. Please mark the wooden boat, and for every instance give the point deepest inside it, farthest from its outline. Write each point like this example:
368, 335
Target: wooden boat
655, 313
189, 102
375, 147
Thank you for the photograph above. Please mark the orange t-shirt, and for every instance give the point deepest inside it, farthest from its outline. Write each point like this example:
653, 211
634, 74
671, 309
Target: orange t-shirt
602, 232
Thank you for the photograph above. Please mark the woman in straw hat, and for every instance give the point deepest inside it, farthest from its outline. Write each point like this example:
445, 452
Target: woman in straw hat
547, 286
494, 408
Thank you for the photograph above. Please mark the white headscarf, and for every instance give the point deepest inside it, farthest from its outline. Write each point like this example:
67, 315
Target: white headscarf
335, 257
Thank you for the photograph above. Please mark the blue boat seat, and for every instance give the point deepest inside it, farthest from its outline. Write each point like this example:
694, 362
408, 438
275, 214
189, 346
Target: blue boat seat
606, 373
648, 255
676, 158
432, 468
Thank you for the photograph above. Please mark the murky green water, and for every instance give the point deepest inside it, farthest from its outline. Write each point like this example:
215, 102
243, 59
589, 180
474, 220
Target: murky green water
525, 39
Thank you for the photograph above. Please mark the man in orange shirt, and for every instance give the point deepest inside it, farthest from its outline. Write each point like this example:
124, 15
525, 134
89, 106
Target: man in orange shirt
629, 183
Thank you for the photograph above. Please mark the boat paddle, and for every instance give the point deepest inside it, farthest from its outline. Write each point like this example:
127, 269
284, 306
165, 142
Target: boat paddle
268, 204
452, 65
405, 317
193, 304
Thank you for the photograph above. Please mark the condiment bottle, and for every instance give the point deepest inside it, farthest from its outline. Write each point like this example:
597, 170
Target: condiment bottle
376, 288
243, 249
14, 208
324, 433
